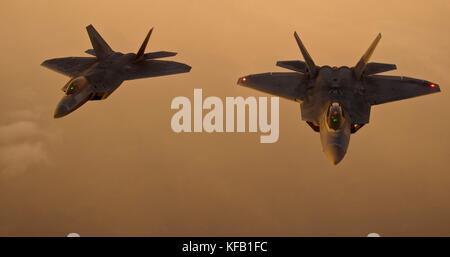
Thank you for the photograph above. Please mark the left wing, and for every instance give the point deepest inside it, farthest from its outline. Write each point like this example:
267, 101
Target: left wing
69, 66
290, 85
383, 89
154, 68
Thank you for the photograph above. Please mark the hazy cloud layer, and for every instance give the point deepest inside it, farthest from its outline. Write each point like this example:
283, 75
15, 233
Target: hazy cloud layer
23, 143
117, 168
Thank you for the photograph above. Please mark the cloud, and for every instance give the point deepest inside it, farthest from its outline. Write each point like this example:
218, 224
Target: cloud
23, 143
17, 158
18, 131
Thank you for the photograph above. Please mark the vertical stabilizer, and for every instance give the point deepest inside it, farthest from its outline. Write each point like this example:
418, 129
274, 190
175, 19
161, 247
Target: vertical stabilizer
101, 48
362, 63
141, 52
312, 70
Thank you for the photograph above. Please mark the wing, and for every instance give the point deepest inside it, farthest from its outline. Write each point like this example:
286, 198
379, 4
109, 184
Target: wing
290, 85
383, 89
154, 68
69, 66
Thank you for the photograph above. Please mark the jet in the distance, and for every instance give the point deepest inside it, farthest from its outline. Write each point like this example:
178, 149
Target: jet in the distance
95, 78
336, 101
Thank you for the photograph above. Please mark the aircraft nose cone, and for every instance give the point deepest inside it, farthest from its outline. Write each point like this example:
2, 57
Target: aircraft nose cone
335, 153
60, 111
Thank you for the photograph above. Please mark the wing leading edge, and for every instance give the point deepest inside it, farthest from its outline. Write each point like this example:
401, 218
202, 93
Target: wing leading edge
289, 85
69, 66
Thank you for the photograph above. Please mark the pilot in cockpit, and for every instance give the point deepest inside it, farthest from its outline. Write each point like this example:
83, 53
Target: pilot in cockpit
335, 116
75, 85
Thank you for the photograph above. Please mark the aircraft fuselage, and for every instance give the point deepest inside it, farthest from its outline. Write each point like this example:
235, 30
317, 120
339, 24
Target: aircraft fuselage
95, 78
331, 94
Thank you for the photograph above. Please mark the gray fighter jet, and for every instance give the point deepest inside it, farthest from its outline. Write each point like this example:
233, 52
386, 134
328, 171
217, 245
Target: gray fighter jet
95, 78
336, 101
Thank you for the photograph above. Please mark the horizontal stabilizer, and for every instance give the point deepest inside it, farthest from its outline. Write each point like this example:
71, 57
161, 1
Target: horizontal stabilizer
374, 68
299, 66
90, 52
157, 55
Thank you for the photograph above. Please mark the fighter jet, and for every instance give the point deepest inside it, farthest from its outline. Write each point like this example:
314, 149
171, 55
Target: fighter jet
95, 78
336, 101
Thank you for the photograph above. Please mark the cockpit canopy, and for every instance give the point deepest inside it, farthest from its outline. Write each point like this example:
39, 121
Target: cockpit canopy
335, 116
75, 85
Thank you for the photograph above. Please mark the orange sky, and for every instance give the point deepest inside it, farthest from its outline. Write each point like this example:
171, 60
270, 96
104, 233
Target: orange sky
115, 167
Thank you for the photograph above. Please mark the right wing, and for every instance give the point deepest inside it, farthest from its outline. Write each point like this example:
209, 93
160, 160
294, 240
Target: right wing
383, 89
69, 66
290, 85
